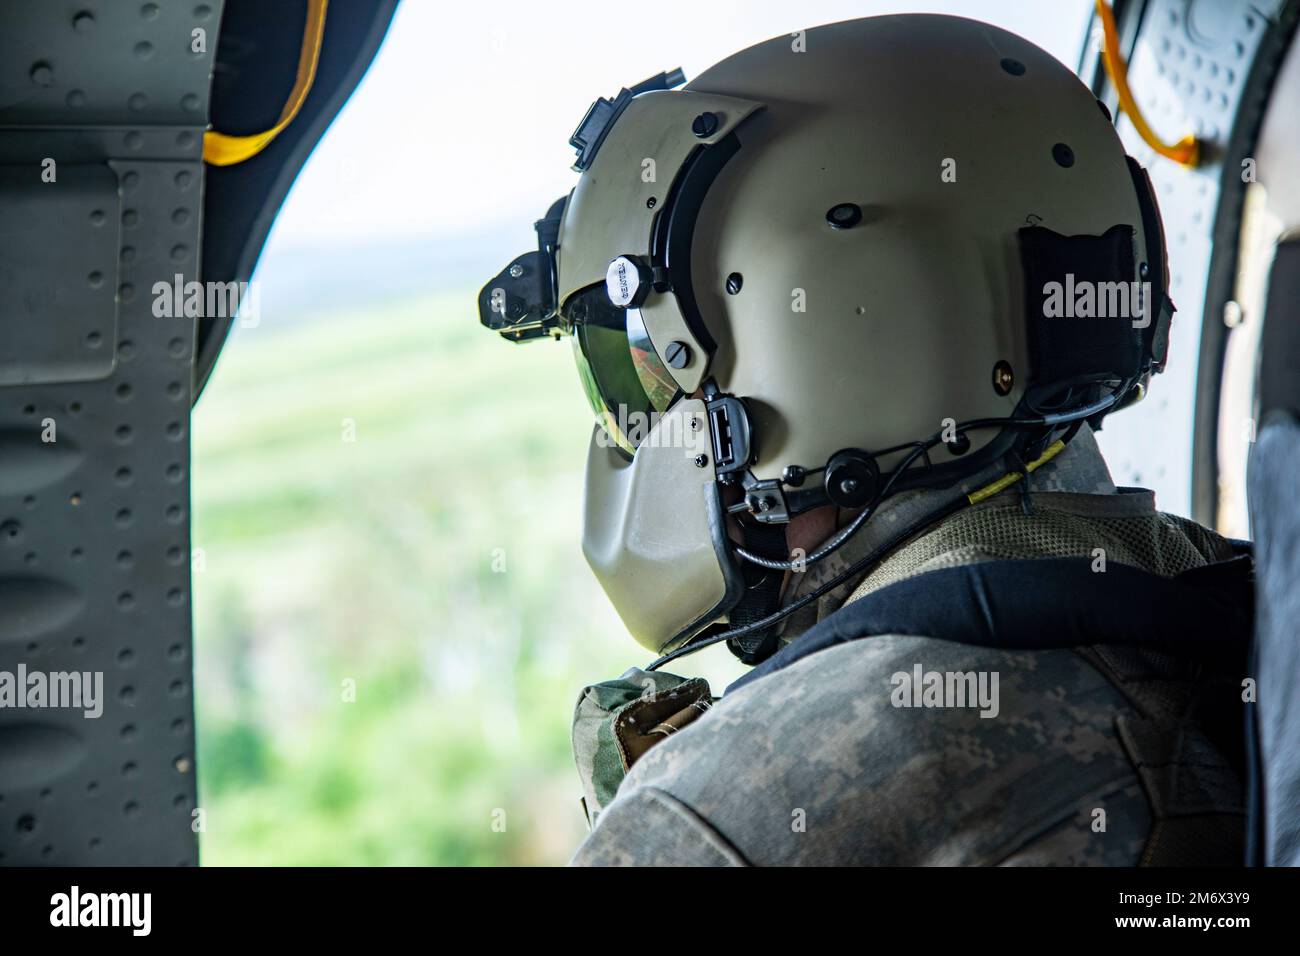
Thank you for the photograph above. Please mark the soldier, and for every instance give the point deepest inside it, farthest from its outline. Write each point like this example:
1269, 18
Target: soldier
862, 283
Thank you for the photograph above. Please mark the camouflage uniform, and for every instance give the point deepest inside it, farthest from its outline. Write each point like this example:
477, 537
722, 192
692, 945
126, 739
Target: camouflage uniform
1091, 758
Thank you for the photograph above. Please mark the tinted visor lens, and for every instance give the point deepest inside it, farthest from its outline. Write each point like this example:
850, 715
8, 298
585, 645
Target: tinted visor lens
625, 380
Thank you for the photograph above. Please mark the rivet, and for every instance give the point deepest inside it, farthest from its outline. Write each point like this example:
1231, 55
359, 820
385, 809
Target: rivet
1232, 314
845, 215
1003, 378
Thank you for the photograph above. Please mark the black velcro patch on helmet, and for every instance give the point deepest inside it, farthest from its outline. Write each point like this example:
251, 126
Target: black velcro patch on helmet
1084, 306
762, 594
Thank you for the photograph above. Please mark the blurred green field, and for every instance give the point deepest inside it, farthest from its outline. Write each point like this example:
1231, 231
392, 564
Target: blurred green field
434, 561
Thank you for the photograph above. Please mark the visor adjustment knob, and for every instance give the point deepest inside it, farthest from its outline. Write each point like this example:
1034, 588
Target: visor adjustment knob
677, 355
627, 282
704, 125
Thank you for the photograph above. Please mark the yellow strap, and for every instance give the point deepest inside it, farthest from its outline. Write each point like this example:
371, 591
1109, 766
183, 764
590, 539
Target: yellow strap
1187, 151
988, 491
222, 150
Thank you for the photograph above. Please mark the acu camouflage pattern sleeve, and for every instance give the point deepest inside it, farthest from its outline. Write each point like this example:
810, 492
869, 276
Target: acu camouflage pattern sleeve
815, 765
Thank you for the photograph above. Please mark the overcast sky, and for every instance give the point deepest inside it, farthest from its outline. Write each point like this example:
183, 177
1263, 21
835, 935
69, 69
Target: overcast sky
462, 123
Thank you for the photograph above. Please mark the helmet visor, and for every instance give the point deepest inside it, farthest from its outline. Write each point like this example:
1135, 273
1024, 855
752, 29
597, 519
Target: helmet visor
626, 382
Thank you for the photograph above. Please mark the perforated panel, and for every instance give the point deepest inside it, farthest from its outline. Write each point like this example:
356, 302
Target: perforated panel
1188, 70
94, 435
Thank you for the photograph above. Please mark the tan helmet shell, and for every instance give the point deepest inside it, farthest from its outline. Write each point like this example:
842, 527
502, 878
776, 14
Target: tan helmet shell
908, 312
946, 132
